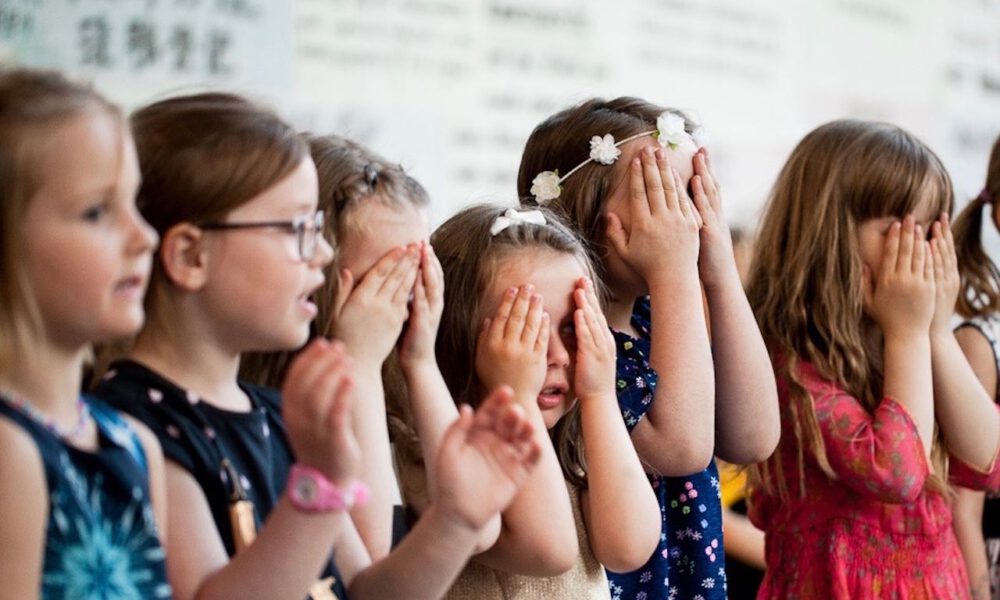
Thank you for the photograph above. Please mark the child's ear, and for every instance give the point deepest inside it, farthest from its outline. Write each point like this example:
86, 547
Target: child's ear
184, 256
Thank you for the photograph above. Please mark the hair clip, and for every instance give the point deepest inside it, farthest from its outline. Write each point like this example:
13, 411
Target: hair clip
514, 217
371, 176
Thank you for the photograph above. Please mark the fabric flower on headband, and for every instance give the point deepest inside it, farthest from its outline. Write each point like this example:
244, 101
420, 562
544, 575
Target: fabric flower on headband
604, 150
546, 186
515, 217
670, 130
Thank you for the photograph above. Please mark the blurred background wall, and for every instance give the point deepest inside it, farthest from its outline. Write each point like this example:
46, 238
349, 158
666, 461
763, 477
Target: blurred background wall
452, 88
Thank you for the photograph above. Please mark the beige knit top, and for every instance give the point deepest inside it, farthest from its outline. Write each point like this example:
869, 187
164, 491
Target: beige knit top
585, 581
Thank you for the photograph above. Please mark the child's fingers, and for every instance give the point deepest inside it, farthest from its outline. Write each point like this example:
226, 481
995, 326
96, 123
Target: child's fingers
707, 175
518, 313
533, 320
584, 336
655, 185
345, 285
700, 199
664, 181
891, 254
402, 280
594, 302
542, 341
293, 378
459, 429
615, 234
919, 245
932, 261
905, 258
376, 277
949, 255
339, 415
638, 203
420, 305
498, 323
868, 287
431, 273
684, 202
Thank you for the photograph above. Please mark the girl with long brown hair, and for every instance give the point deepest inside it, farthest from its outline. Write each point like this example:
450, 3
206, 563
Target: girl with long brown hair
685, 390
977, 514
521, 308
854, 304
261, 485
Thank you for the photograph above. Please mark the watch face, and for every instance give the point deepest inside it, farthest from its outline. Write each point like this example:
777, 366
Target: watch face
306, 489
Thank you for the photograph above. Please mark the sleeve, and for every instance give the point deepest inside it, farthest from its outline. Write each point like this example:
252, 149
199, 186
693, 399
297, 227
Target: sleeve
634, 385
878, 455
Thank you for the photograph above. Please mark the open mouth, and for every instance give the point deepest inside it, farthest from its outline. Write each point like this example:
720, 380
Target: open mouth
552, 396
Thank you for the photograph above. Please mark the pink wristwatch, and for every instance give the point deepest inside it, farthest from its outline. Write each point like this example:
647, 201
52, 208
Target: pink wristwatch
310, 491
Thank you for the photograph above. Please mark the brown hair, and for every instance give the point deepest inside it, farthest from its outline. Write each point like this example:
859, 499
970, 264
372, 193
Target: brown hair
204, 155
560, 143
805, 283
31, 104
980, 277
470, 257
351, 174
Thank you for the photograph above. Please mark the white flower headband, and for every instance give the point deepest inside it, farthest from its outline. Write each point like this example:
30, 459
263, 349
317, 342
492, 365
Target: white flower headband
514, 217
669, 132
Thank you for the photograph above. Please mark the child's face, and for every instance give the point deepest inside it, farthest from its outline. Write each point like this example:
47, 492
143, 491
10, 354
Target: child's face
379, 228
554, 275
872, 233
258, 287
622, 279
86, 250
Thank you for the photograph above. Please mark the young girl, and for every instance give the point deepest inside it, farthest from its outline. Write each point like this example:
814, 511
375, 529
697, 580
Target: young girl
977, 515
232, 191
521, 309
855, 306
628, 200
78, 485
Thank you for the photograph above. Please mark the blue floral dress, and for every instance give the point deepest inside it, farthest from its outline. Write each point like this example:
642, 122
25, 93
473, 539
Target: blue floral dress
101, 540
689, 563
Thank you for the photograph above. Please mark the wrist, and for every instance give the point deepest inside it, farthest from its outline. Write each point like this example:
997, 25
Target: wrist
906, 337
723, 281
450, 524
310, 490
674, 281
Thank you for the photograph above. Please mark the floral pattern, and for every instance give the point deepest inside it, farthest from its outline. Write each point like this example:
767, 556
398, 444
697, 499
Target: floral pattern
689, 561
874, 531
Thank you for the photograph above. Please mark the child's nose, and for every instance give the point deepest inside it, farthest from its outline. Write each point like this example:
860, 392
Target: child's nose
558, 353
142, 236
324, 252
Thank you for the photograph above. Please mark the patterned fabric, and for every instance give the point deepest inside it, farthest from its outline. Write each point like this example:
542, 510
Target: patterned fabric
873, 532
198, 436
989, 327
101, 538
585, 581
688, 563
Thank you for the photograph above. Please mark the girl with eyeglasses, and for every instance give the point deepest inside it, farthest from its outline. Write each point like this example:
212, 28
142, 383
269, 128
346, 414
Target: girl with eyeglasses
263, 489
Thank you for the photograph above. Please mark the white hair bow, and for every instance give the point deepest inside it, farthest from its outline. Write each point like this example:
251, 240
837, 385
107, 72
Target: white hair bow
514, 217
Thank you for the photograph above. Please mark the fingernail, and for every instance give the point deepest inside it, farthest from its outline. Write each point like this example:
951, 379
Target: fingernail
512, 292
659, 154
535, 298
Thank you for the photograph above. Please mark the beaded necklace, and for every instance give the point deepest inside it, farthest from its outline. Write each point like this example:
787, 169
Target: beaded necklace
25, 408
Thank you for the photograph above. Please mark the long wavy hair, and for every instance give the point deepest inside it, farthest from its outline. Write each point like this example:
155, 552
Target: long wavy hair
805, 282
980, 277
471, 257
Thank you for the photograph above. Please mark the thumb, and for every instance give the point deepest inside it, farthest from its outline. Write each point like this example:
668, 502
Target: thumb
868, 286
616, 234
345, 285
459, 429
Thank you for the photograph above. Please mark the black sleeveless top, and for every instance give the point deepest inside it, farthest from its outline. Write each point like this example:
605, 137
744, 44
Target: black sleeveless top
101, 540
198, 437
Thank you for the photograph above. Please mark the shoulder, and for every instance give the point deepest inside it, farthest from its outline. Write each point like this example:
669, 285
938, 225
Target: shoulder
22, 468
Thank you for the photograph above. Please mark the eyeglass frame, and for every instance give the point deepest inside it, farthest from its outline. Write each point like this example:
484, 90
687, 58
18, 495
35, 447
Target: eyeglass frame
299, 225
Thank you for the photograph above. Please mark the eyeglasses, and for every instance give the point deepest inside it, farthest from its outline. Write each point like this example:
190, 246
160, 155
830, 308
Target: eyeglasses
307, 229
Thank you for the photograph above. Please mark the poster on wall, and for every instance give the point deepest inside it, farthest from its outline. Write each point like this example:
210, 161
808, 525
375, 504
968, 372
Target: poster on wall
137, 48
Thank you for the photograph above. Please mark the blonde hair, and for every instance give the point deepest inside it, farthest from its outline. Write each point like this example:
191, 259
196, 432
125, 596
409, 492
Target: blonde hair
471, 257
980, 277
805, 282
31, 104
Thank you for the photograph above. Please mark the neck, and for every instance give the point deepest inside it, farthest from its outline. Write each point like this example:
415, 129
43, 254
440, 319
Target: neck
619, 313
49, 377
189, 355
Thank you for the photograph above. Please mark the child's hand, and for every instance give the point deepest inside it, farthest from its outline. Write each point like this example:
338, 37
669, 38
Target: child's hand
425, 313
946, 278
484, 459
716, 262
512, 346
901, 301
595, 346
316, 405
368, 317
664, 223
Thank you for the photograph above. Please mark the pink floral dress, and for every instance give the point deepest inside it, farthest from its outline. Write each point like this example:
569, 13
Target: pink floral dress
873, 532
